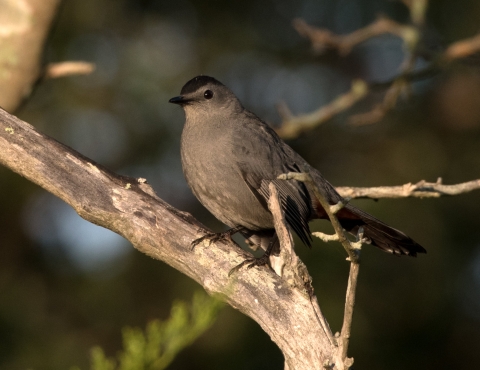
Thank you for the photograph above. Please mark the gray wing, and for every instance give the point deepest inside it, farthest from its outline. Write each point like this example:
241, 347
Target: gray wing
263, 157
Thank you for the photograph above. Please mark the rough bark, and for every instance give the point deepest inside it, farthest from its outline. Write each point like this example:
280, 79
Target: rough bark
130, 208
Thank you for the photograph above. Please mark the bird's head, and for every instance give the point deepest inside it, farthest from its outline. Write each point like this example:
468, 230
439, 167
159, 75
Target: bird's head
204, 95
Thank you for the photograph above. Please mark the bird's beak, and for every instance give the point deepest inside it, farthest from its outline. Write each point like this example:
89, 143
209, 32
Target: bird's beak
178, 100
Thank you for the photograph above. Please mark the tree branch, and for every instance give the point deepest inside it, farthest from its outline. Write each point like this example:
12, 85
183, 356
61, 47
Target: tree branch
421, 189
130, 208
289, 266
292, 126
329, 209
462, 48
71, 68
353, 251
23, 32
322, 39
344, 337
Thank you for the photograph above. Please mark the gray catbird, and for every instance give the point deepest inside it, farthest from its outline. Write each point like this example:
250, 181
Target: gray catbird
229, 158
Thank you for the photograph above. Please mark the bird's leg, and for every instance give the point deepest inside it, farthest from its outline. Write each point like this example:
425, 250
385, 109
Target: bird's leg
260, 261
215, 237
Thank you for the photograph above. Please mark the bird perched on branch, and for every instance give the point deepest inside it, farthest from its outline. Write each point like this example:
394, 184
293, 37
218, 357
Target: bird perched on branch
229, 158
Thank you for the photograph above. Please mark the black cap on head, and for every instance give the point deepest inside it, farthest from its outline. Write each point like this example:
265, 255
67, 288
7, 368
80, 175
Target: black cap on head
195, 83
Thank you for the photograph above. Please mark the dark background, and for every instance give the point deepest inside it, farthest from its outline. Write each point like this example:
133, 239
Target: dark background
67, 285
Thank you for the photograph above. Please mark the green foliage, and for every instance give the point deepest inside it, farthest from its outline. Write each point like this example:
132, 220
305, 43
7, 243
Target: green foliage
156, 347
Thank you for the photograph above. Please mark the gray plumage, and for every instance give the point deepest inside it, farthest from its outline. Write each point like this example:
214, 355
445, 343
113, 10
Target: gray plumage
229, 158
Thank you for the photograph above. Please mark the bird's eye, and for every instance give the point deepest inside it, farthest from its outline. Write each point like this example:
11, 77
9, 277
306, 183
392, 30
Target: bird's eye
208, 94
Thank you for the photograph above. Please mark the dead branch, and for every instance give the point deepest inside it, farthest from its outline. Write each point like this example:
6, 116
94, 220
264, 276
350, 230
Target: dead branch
353, 251
417, 8
71, 68
331, 210
130, 208
344, 337
323, 39
462, 48
289, 266
378, 112
421, 189
293, 126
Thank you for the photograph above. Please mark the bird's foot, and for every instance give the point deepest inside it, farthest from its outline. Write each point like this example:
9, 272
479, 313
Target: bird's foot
252, 262
215, 237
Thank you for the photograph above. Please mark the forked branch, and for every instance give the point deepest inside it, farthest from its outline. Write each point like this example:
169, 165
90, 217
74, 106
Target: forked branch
412, 36
353, 251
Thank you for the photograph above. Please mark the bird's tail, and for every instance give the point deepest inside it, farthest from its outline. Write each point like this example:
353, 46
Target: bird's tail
378, 233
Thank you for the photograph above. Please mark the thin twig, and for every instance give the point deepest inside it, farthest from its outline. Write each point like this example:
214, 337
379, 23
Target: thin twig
326, 237
400, 85
319, 194
323, 39
292, 126
348, 313
287, 253
353, 250
462, 48
389, 102
421, 189
63, 69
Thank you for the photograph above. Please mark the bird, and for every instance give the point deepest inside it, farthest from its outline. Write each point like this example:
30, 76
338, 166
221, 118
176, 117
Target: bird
229, 159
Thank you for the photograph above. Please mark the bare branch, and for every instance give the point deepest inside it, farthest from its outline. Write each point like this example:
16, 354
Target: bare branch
380, 110
421, 189
417, 8
462, 48
342, 236
293, 269
287, 257
293, 126
323, 39
326, 237
164, 233
353, 251
348, 313
63, 69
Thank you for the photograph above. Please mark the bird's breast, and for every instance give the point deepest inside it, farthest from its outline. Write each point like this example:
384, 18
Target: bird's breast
210, 166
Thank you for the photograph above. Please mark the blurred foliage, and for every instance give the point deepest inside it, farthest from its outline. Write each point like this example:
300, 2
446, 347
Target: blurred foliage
162, 341
66, 285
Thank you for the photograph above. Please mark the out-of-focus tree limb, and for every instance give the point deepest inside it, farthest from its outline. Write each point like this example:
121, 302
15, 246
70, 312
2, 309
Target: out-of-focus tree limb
421, 189
417, 8
292, 126
323, 39
70, 68
462, 48
411, 34
130, 208
24, 26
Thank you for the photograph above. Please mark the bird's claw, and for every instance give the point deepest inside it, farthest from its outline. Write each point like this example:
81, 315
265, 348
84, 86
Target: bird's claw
251, 262
215, 237
211, 238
